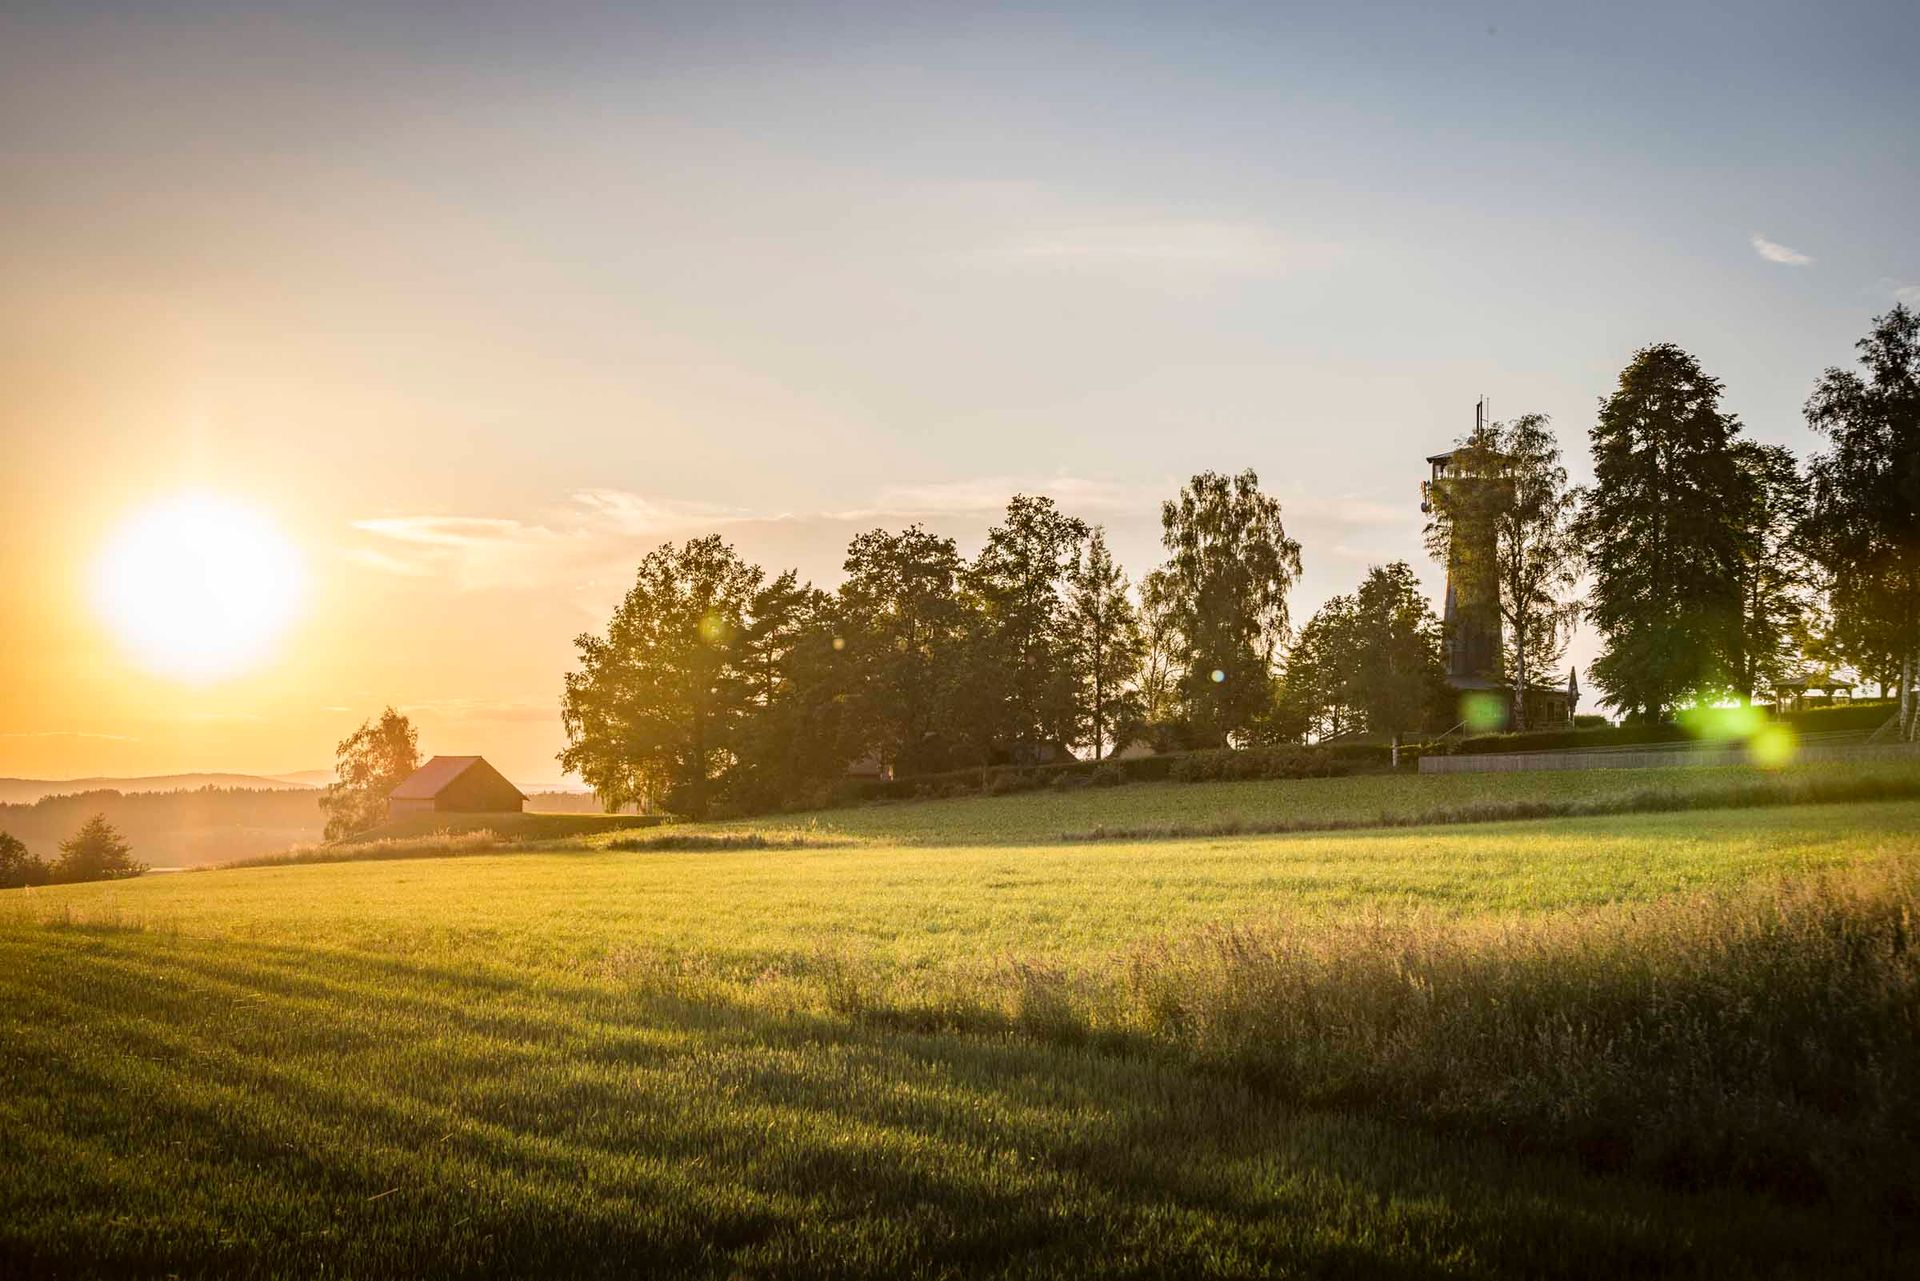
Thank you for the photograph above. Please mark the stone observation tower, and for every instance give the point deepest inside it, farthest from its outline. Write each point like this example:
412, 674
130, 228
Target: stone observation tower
1472, 614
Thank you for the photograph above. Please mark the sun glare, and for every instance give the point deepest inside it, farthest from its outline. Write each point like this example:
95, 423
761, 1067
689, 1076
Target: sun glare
198, 586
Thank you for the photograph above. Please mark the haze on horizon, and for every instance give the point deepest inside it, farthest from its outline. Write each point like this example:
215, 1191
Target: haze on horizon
480, 307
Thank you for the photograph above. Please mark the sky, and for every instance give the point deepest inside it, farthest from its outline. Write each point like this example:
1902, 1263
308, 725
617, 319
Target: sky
478, 304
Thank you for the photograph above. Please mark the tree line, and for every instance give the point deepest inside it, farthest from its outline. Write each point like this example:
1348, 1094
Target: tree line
1714, 567
96, 852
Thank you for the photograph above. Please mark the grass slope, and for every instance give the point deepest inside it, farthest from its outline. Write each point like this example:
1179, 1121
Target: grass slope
1029, 1060
1147, 810
525, 826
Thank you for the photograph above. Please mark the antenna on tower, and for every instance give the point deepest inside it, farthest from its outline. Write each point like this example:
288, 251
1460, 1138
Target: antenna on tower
1480, 414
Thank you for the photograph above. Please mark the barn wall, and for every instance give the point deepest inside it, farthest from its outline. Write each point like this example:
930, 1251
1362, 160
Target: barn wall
478, 791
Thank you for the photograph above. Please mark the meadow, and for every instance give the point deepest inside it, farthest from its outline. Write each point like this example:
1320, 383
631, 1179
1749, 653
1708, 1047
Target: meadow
1645, 1044
1154, 810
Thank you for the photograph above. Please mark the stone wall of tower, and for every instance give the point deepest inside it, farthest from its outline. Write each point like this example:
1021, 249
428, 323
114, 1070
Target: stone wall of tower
1472, 614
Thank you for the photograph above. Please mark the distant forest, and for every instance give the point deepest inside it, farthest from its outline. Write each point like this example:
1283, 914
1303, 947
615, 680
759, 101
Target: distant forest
206, 825
175, 829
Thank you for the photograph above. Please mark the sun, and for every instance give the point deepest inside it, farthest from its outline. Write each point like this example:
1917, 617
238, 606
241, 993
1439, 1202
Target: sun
199, 586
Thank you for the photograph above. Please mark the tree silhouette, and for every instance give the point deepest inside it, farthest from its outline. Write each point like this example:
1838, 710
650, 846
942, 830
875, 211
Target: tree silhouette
1230, 566
95, 853
368, 764
1864, 521
18, 867
1661, 532
1105, 646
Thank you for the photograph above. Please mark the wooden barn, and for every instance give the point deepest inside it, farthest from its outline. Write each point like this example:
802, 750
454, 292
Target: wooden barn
455, 785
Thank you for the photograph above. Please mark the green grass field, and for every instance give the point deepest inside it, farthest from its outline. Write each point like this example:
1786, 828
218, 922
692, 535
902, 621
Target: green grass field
1187, 809
1649, 1044
527, 826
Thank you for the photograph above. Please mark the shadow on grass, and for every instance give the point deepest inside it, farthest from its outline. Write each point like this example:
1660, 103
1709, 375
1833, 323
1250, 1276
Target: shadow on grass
195, 1106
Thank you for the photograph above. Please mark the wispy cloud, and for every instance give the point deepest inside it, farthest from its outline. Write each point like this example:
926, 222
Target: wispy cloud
70, 733
470, 551
599, 533
988, 495
1179, 247
637, 515
1774, 251
445, 531
1908, 294
483, 709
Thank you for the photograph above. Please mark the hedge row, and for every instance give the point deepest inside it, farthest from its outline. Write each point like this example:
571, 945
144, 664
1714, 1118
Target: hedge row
1862, 715
1178, 767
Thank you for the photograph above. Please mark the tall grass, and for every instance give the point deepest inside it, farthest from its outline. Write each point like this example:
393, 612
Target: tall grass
432, 845
1768, 1038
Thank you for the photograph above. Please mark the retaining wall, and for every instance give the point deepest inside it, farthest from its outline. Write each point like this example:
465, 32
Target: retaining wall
1651, 758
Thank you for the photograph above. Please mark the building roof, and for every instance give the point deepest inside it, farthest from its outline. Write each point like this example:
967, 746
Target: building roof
436, 775
1812, 681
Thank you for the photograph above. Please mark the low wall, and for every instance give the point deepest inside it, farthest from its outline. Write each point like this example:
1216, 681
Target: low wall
1652, 758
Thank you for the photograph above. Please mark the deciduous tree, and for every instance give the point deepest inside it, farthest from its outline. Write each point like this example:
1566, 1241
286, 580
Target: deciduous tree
1316, 699
1017, 587
653, 712
1396, 655
1230, 566
18, 866
901, 614
1864, 522
1775, 576
368, 764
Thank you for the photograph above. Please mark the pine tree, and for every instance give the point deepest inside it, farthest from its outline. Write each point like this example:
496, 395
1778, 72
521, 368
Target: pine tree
95, 853
1660, 528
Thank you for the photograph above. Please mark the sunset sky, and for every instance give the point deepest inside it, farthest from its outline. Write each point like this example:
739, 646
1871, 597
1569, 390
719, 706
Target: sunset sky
476, 305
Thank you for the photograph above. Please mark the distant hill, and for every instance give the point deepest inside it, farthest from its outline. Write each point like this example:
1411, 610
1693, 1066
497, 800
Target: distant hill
306, 778
25, 791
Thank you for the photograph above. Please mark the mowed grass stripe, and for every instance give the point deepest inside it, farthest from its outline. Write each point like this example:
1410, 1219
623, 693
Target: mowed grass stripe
774, 1142
885, 1061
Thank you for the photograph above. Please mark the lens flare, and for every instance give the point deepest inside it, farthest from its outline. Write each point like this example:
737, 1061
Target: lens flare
1484, 713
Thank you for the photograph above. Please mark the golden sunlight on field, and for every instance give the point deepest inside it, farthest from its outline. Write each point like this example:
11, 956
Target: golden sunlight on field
198, 586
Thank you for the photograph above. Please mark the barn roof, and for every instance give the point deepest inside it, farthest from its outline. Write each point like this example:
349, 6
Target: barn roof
433, 778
